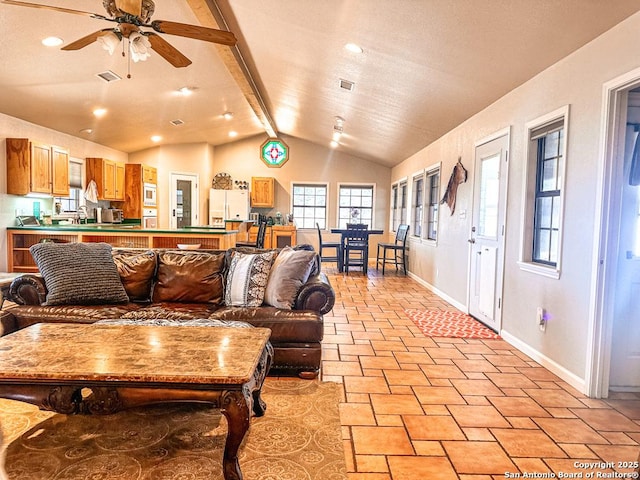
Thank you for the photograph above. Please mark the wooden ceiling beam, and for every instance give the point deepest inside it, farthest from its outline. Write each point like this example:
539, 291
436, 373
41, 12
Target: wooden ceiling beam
209, 14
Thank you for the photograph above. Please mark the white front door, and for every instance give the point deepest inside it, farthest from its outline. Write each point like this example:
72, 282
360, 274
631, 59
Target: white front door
487, 231
625, 344
184, 200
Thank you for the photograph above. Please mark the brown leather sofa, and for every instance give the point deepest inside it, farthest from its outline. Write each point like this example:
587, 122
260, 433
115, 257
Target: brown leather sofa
295, 334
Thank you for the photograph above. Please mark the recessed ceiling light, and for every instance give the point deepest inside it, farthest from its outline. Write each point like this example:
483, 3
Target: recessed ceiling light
352, 47
227, 115
186, 91
156, 138
100, 112
87, 131
52, 41
233, 134
334, 144
336, 136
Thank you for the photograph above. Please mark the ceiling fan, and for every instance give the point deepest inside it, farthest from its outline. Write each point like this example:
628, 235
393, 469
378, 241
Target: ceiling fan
132, 17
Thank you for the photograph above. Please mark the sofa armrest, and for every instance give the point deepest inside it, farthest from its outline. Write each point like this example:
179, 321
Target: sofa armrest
28, 290
317, 294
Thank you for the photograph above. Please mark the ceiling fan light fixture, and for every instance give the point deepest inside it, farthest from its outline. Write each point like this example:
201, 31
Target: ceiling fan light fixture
52, 41
109, 41
139, 46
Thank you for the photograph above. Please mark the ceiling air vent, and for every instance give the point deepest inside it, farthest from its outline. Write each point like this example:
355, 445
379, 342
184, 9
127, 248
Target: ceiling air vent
346, 84
176, 122
109, 76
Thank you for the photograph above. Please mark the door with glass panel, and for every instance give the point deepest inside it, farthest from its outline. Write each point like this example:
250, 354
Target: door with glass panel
184, 200
487, 232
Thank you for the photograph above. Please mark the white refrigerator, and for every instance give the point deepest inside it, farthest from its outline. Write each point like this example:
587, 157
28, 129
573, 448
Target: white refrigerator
227, 205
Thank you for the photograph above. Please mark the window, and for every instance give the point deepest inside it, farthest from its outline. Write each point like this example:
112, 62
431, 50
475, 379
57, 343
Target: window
355, 205
395, 207
401, 206
417, 206
432, 203
70, 203
544, 186
309, 205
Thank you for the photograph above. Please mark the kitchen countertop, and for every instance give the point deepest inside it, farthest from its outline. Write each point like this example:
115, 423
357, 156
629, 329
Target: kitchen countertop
122, 228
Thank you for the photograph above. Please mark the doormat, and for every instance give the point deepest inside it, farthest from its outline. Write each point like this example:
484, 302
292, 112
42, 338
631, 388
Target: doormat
437, 323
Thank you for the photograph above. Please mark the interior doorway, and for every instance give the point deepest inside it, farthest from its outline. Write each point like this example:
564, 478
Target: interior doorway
614, 359
184, 200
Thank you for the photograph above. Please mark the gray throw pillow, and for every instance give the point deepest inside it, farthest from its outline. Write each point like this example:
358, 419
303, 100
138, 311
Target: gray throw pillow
79, 273
289, 272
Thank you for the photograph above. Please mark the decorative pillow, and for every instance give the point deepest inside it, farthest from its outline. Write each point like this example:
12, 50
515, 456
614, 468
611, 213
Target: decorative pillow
191, 277
291, 269
247, 279
79, 273
136, 271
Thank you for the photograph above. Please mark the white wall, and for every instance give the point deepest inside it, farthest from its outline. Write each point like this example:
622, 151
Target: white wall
194, 158
11, 127
577, 81
307, 162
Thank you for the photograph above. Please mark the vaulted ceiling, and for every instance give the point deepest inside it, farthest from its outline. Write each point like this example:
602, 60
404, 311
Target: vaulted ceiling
426, 66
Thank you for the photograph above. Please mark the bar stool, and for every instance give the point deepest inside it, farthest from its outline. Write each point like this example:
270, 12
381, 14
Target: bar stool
328, 245
356, 247
398, 247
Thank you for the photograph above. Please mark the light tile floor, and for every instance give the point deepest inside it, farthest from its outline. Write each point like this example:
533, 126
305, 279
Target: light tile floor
449, 408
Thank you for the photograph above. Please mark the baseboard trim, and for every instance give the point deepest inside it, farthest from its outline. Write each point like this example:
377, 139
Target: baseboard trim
554, 367
463, 308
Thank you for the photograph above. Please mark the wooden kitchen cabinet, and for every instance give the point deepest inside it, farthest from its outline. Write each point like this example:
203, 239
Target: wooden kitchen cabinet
34, 167
136, 175
263, 192
109, 176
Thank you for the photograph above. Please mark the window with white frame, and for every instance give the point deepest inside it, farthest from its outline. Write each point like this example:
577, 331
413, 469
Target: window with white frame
75, 198
417, 204
309, 205
432, 203
402, 204
544, 189
355, 205
395, 206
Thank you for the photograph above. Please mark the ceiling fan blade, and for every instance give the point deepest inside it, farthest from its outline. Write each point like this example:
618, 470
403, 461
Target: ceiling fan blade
194, 31
84, 41
57, 9
167, 51
134, 7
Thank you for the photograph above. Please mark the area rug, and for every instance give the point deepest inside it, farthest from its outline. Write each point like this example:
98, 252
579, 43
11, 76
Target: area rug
299, 438
438, 323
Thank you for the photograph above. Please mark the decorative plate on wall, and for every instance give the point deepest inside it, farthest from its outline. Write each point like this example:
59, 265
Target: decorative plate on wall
222, 181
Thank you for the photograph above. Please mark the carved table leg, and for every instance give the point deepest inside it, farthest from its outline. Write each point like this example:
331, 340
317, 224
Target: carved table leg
235, 407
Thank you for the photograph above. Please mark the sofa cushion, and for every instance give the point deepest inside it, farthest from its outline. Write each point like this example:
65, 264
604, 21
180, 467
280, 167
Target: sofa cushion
79, 273
189, 276
136, 271
289, 272
247, 279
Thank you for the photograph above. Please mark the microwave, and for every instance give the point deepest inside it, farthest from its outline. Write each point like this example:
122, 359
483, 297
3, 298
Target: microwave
112, 215
149, 195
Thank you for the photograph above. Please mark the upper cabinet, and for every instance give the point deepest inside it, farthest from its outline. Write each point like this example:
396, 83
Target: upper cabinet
109, 176
263, 192
34, 167
149, 174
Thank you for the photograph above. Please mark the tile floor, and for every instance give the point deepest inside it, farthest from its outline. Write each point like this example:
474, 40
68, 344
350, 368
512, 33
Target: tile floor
447, 408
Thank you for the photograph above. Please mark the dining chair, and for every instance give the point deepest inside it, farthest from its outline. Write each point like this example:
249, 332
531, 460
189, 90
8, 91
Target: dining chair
259, 243
356, 247
337, 246
398, 247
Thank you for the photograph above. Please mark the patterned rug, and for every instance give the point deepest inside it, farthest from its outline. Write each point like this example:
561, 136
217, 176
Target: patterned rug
437, 323
299, 438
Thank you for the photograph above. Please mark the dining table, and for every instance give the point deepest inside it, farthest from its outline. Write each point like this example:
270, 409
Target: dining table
343, 234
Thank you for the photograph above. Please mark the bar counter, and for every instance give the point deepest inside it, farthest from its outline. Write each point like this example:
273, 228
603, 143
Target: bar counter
19, 239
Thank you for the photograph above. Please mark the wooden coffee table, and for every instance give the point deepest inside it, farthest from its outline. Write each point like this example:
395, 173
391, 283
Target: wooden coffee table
102, 369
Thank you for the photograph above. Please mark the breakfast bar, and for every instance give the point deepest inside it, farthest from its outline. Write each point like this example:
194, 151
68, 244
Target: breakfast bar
19, 239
